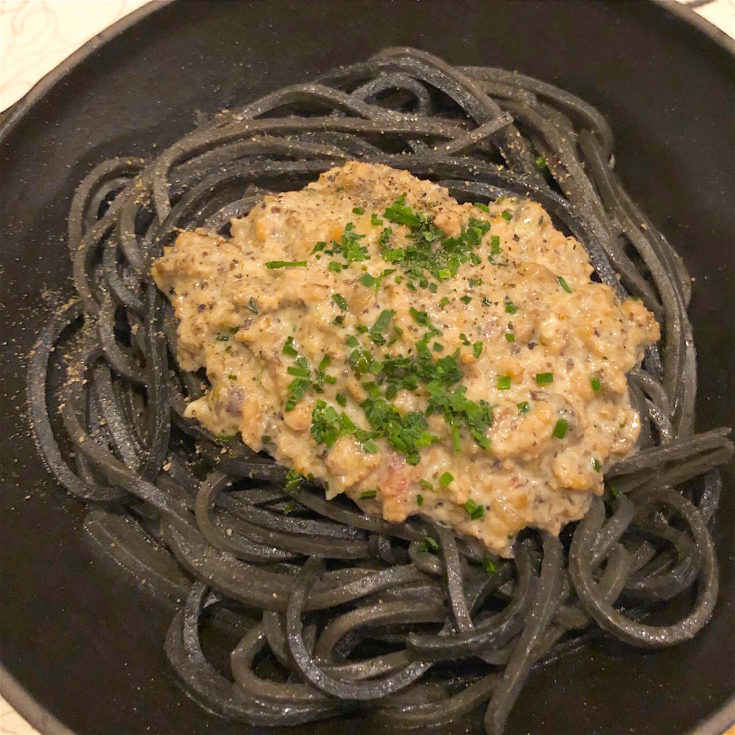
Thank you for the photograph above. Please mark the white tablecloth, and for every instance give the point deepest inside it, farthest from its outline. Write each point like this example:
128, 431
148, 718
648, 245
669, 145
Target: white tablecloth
36, 35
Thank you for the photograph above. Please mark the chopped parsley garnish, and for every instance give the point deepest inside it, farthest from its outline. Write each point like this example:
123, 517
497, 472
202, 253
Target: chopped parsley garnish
510, 337
475, 282
482, 207
560, 429
327, 425
510, 307
596, 466
319, 247
474, 510
446, 478
399, 213
381, 324
489, 566
273, 264
564, 284
540, 163
375, 220
506, 215
222, 338
437, 347
266, 439
444, 301
419, 500
477, 349
466, 299
426, 485
349, 247
231, 377
406, 433
341, 399
523, 407
615, 492
544, 378
340, 300
504, 382
596, 384
370, 281
368, 494
225, 437
358, 210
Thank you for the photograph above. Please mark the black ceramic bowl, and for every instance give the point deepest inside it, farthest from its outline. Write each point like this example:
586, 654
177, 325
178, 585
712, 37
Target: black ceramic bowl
81, 641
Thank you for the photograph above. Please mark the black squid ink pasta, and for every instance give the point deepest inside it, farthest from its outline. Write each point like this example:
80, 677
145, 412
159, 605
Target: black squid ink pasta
333, 611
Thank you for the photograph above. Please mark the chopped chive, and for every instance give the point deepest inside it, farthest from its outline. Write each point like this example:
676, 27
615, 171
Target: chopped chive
272, 264
544, 378
564, 284
510, 337
466, 299
226, 437
341, 399
340, 300
351, 341
510, 307
231, 377
506, 215
426, 484
495, 245
560, 429
482, 207
477, 349
489, 566
444, 301
523, 407
596, 466
368, 494
370, 447
446, 479
504, 382
358, 210
335, 267
456, 439
419, 500
596, 384
375, 220
475, 511
288, 348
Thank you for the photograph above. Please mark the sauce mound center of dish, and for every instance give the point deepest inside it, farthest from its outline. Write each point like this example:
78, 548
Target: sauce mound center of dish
420, 355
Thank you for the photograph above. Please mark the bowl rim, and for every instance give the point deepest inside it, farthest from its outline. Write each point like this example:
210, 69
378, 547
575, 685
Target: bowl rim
35, 713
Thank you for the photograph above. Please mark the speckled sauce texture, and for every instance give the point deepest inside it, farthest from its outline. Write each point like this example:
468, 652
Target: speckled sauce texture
419, 355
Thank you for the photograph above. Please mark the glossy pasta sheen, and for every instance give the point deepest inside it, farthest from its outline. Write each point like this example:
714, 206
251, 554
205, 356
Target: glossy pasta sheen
333, 609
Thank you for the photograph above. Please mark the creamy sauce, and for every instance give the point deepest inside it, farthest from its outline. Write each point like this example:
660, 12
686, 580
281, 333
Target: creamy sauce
419, 355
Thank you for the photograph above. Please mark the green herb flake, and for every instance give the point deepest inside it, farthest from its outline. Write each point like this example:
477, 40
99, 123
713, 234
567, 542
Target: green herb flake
510, 307
564, 284
427, 544
477, 349
510, 337
375, 220
225, 437
293, 480
289, 349
540, 163
253, 305
507, 215
614, 491
560, 429
474, 510
596, 465
341, 399
273, 264
358, 210
419, 500
341, 301
446, 478
523, 407
504, 382
596, 384
368, 494
466, 299
482, 207
319, 246
222, 338
231, 377
426, 485
490, 567
444, 301
544, 378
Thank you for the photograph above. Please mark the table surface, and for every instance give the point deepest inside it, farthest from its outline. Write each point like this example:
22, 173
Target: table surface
36, 35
